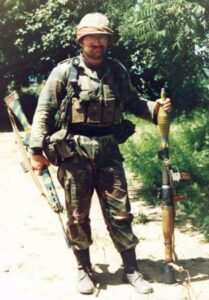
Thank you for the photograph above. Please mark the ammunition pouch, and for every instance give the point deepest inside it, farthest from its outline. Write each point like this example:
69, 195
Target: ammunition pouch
59, 146
123, 131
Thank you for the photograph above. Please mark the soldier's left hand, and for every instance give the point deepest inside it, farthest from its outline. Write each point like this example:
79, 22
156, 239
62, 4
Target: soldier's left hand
167, 105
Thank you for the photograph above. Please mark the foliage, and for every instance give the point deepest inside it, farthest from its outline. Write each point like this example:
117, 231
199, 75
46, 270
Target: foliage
141, 219
189, 151
169, 42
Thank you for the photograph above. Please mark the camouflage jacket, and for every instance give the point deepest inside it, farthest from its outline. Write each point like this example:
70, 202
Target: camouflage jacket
55, 90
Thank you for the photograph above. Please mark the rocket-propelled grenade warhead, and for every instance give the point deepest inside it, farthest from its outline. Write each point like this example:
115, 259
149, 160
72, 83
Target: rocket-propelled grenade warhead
163, 119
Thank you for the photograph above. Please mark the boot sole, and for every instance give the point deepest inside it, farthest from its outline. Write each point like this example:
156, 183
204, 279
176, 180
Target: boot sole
89, 292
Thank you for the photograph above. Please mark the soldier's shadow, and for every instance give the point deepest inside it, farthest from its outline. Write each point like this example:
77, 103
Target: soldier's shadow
104, 277
196, 269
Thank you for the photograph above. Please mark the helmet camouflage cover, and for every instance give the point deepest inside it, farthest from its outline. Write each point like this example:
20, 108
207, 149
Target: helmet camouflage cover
93, 23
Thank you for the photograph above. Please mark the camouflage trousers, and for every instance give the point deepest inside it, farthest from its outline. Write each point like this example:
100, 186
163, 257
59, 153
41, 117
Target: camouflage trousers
97, 166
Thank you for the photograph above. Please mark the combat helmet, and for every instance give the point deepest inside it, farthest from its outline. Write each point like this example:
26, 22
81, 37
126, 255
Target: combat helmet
93, 23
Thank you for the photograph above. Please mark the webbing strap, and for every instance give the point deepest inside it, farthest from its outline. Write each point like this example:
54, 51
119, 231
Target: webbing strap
72, 90
73, 77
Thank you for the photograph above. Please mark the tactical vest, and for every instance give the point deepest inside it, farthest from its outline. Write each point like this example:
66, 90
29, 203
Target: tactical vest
94, 101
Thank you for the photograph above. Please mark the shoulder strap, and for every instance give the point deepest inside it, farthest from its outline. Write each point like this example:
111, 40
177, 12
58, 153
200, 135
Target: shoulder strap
118, 68
72, 90
73, 77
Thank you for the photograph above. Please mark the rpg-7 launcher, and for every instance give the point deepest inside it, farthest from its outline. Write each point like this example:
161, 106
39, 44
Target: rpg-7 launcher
167, 194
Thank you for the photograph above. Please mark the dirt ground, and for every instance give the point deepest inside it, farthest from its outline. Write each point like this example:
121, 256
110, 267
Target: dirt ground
35, 263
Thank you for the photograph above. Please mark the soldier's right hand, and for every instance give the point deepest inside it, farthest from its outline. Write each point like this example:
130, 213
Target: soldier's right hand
38, 162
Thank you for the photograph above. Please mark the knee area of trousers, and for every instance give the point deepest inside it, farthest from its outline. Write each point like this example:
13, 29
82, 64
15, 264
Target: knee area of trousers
121, 218
79, 217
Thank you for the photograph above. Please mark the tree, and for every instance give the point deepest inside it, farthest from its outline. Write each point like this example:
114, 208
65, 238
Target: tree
11, 59
169, 41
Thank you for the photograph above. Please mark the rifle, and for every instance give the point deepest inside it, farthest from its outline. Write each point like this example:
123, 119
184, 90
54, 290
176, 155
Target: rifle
15, 110
167, 194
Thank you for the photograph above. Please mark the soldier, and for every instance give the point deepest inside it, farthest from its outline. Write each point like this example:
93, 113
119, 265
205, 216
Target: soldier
97, 90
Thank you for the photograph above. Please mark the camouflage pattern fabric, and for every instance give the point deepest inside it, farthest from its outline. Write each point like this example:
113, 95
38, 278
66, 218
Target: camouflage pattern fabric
113, 79
98, 162
98, 166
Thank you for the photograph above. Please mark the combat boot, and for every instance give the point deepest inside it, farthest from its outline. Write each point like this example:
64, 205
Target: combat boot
131, 273
85, 283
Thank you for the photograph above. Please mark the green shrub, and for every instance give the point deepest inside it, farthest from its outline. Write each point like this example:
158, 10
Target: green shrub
141, 219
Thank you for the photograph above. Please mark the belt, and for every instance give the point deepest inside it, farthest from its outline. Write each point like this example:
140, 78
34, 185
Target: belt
91, 131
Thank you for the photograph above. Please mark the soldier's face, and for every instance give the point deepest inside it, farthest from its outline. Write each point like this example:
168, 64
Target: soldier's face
95, 45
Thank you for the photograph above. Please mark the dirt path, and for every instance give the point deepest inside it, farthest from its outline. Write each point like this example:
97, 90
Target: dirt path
35, 263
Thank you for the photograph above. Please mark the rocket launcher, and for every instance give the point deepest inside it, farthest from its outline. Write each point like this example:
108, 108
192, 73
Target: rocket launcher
167, 192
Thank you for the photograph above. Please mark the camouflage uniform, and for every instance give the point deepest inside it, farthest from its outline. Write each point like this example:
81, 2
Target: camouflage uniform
97, 163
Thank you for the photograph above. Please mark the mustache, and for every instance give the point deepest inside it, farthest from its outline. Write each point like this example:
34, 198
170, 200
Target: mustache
98, 47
